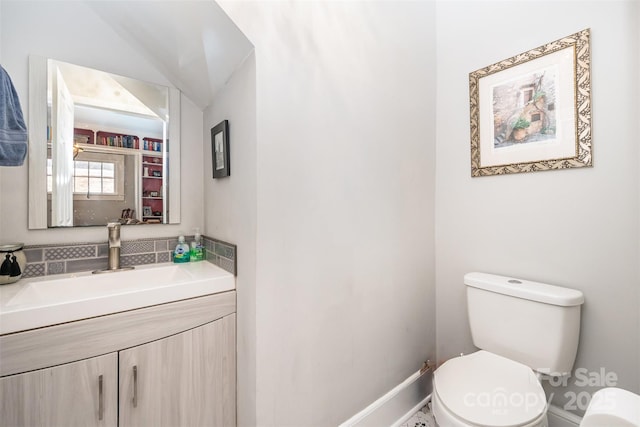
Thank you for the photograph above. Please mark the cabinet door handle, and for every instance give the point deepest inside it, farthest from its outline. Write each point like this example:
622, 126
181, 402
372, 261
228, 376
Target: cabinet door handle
100, 399
135, 386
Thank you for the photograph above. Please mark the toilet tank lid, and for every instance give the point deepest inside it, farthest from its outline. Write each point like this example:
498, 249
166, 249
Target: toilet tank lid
525, 289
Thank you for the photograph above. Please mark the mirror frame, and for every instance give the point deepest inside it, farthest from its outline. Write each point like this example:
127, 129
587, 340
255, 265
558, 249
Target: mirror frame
38, 150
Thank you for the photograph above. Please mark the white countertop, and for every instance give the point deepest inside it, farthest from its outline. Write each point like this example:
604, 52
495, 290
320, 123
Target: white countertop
49, 300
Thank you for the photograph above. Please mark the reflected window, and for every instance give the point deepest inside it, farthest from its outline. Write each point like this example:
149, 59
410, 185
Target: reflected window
96, 176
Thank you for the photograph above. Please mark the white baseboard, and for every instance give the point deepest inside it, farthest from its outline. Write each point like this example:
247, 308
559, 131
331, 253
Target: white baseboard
404, 400
397, 405
411, 412
561, 418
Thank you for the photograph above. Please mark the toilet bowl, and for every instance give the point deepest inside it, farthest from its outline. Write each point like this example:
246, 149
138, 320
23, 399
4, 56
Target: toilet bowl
484, 389
520, 327
612, 407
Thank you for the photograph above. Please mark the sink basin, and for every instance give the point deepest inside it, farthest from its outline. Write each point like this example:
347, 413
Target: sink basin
45, 301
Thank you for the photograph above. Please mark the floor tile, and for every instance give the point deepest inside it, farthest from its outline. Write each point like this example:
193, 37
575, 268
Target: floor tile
422, 418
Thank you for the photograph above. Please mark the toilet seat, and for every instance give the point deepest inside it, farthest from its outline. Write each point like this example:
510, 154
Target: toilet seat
485, 389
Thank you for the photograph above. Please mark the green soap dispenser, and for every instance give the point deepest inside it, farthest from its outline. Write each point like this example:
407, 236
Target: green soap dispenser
197, 250
181, 253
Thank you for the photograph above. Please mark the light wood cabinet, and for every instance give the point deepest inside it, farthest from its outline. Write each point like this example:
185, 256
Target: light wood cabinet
215, 348
82, 394
186, 378
155, 379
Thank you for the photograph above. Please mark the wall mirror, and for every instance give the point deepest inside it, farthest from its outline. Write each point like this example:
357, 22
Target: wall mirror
102, 148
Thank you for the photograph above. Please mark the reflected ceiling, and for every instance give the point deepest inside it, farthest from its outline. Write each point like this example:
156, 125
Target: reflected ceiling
103, 90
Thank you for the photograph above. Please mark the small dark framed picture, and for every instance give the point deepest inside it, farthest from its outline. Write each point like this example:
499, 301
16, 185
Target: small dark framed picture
146, 210
220, 149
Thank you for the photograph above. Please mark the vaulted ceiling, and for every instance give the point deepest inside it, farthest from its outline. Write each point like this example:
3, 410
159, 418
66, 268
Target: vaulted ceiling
193, 42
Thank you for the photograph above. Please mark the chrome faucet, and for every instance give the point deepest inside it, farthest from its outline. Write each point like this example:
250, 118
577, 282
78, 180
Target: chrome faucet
113, 229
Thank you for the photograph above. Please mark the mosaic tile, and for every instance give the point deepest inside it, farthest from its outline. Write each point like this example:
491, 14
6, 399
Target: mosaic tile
33, 255
227, 264
171, 244
70, 252
33, 270
225, 250
163, 257
55, 267
89, 264
161, 245
103, 250
138, 259
209, 244
56, 259
211, 257
137, 247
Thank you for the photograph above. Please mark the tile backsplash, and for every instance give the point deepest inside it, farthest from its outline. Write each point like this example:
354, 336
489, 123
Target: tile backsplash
43, 260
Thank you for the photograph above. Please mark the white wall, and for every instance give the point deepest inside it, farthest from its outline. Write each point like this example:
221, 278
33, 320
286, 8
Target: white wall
637, 67
230, 214
331, 198
345, 180
577, 228
71, 31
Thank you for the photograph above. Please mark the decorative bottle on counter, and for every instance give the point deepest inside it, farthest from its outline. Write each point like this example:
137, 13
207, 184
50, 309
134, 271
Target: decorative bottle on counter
12, 263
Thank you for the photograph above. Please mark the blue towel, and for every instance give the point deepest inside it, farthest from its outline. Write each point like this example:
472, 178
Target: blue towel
13, 132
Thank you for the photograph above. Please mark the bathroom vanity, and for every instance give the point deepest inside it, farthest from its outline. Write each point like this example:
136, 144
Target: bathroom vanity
170, 362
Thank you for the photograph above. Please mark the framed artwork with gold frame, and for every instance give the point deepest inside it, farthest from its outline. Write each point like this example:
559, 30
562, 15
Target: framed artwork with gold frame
532, 112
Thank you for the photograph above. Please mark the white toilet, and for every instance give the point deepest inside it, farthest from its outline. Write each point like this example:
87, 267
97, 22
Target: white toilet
520, 327
612, 407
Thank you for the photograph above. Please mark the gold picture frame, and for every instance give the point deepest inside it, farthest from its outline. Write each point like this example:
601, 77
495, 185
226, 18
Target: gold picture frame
532, 112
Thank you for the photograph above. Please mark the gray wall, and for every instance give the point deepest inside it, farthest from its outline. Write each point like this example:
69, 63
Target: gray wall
345, 215
576, 228
71, 31
230, 215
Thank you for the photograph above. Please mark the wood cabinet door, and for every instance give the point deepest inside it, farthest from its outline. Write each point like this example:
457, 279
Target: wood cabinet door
214, 372
154, 382
79, 394
187, 379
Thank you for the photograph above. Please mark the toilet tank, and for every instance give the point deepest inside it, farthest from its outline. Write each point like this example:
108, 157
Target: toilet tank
533, 323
